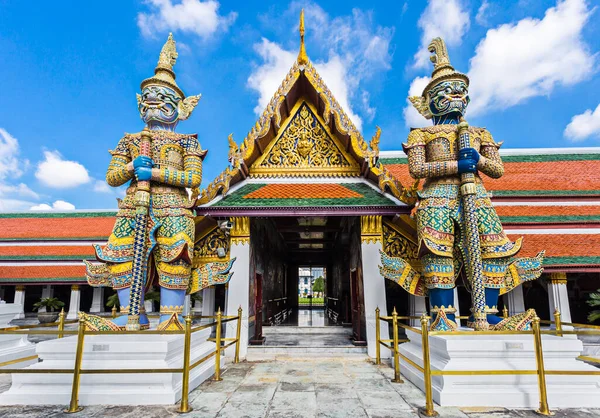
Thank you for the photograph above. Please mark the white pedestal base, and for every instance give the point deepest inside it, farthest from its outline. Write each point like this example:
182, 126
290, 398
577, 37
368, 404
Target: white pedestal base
13, 347
504, 352
113, 352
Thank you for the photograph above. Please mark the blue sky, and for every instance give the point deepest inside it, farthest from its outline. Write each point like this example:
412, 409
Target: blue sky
70, 71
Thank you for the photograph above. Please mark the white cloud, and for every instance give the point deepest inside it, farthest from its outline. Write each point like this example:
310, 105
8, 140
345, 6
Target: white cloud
412, 118
357, 50
584, 126
195, 16
10, 163
529, 58
444, 18
61, 174
484, 12
21, 190
100, 186
58, 205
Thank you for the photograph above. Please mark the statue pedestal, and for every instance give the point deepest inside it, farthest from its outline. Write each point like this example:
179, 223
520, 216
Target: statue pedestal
113, 352
13, 347
504, 352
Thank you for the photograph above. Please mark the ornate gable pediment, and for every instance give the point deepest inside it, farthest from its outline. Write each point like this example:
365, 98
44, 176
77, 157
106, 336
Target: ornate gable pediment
305, 147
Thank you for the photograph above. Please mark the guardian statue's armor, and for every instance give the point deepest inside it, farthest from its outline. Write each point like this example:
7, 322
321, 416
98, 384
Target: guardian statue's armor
166, 164
435, 154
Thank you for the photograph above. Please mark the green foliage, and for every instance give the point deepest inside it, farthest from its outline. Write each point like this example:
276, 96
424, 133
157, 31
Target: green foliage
51, 303
152, 295
319, 285
197, 297
307, 301
113, 301
594, 300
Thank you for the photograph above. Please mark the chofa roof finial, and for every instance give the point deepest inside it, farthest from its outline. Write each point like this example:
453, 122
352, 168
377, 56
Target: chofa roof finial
302, 57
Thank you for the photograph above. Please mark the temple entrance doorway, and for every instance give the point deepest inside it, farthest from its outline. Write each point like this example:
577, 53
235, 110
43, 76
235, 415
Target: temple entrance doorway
305, 284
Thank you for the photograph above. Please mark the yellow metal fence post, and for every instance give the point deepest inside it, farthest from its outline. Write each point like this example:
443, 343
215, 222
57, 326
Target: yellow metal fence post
557, 323
539, 358
61, 322
218, 352
185, 379
505, 312
428, 411
74, 405
114, 311
397, 378
377, 338
238, 332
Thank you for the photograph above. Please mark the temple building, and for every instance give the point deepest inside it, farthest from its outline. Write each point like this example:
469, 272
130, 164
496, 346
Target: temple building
304, 189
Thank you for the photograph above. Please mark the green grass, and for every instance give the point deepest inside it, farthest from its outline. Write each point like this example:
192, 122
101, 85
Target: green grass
315, 301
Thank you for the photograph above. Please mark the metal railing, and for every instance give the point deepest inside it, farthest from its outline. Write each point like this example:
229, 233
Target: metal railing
536, 332
81, 332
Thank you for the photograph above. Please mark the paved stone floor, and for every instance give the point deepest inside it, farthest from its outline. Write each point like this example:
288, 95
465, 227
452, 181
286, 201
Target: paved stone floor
298, 388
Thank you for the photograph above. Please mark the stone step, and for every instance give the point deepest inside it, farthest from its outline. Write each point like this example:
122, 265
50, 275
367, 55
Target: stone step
268, 352
306, 330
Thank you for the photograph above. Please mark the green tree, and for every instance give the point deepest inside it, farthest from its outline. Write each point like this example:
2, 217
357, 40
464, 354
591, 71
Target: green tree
319, 285
594, 300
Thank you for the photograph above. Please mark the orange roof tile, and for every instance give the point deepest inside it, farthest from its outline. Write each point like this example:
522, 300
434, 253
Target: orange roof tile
564, 245
302, 191
55, 251
525, 210
56, 228
524, 175
42, 272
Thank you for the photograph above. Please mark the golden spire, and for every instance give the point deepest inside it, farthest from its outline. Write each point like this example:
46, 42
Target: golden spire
163, 73
302, 57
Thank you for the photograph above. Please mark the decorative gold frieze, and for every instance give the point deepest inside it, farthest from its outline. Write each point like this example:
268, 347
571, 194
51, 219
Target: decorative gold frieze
370, 229
240, 231
558, 278
206, 247
305, 147
396, 244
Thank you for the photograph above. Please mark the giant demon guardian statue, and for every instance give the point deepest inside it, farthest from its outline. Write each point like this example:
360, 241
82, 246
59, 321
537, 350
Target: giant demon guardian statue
153, 238
458, 228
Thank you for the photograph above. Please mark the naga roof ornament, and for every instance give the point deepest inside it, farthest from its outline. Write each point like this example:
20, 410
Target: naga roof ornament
442, 70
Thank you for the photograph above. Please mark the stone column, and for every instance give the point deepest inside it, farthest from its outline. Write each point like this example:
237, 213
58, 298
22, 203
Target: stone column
208, 301
558, 296
149, 306
20, 300
97, 300
187, 304
2, 288
514, 301
417, 308
74, 303
456, 305
47, 291
239, 285
373, 282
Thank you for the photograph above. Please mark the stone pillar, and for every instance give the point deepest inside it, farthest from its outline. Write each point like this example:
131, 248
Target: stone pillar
239, 285
47, 291
456, 305
514, 301
187, 304
74, 303
558, 296
208, 301
97, 300
373, 282
149, 306
416, 308
2, 288
20, 300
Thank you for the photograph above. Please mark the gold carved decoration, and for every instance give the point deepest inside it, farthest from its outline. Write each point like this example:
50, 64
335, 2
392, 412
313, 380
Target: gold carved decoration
558, 278
370, 229
398, 244
387, 182
205, 248
240, 231
220, 184
305, 147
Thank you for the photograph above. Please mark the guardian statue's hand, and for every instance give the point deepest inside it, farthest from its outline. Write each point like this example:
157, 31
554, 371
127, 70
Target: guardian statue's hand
469, 154
143, 173
467, 166
142, 161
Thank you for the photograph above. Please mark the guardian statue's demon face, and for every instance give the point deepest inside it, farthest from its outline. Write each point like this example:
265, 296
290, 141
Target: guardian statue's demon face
159, 107
449, 98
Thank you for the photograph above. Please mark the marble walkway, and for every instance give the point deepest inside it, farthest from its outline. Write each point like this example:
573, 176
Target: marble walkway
295, 388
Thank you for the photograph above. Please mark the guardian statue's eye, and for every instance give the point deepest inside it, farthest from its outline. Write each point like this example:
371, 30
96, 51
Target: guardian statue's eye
448, 90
